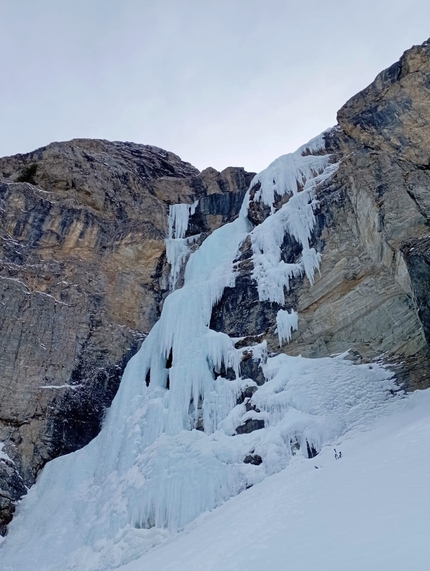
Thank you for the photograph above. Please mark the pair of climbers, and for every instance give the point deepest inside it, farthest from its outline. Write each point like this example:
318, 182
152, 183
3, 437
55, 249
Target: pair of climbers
337, 455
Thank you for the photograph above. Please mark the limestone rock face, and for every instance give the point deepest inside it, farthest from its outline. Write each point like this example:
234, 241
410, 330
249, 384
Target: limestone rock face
365, 297
83, 274
372, 294
393, 113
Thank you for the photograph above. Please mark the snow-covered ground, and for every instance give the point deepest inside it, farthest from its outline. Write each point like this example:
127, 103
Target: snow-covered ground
368, 511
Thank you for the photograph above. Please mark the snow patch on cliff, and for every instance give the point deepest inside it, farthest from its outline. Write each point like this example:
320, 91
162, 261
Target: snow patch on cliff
3, 454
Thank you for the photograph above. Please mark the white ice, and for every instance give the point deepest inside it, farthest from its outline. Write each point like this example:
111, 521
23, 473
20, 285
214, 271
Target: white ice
177, 246
289, 174
296, 175
286, 323
367, 511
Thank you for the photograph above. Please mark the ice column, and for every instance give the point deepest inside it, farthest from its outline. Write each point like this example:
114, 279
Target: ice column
286, 323
177, 246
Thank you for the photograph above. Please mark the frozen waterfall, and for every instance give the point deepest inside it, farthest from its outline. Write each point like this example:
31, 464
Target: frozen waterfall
169, 448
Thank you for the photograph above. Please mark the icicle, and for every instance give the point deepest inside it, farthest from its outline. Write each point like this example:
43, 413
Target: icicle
177, 246
298, 175
286, 323
288, 173
179, 215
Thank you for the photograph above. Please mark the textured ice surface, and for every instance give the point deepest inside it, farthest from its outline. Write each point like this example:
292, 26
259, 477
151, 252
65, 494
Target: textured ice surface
368, 510
177, 246
290, 173
296, 175
175, 439
286, 323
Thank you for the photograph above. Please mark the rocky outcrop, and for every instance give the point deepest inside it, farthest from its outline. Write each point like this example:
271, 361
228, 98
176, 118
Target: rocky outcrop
83, 275
392, 114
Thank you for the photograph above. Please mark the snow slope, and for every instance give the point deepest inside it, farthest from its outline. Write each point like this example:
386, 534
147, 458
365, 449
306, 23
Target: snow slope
367, 511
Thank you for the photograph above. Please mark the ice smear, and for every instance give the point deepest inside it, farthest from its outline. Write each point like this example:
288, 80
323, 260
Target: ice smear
170, 448
177, 246
286, 323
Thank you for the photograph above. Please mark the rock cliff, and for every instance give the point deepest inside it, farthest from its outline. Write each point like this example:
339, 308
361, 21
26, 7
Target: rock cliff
83, 269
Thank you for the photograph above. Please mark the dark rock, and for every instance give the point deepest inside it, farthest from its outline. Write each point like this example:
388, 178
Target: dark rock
239, 311
251, 369
246, 394
227, 373
253, 459
250, 425
417, 255
311, 450
258, 211
249, 405
11, 489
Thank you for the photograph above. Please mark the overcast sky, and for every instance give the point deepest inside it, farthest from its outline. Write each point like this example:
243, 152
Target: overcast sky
221, 82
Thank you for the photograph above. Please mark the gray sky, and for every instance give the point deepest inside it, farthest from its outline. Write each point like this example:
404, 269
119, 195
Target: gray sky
218, 82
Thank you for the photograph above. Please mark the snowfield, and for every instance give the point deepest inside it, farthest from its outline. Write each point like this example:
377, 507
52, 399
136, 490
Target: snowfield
175, 480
